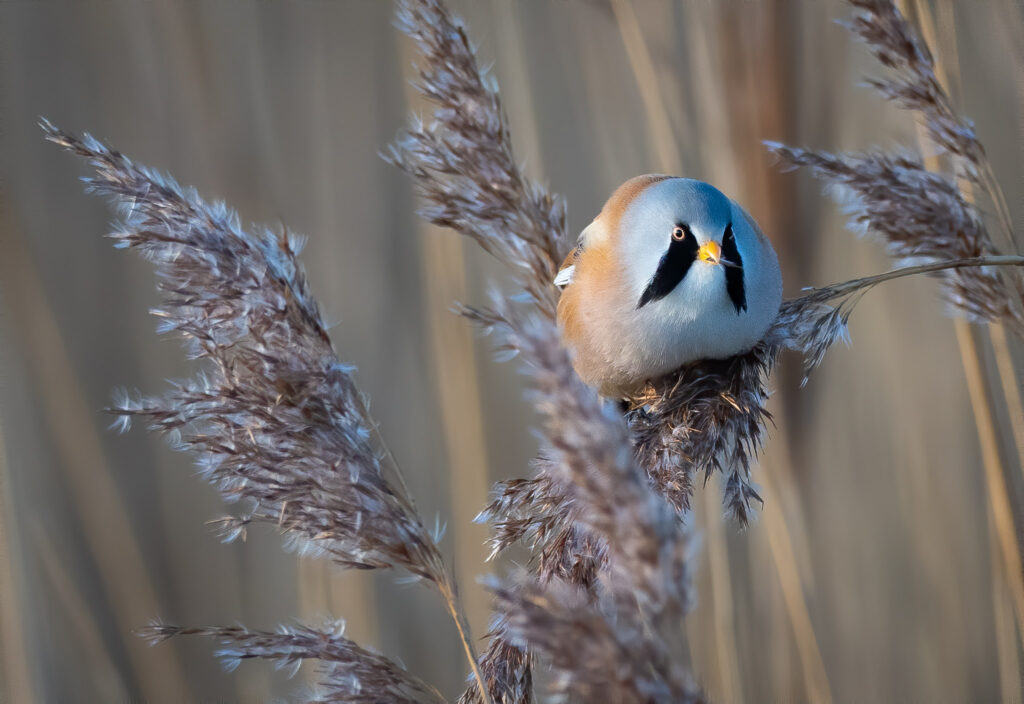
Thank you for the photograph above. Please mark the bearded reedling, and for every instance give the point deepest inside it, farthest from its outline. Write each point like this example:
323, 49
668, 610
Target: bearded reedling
671, 271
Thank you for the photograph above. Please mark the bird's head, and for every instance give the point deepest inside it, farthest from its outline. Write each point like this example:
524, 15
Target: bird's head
681, 241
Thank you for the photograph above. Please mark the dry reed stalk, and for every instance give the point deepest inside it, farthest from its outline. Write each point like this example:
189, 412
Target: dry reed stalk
1010, 384
982, 401
14, 668
722, 600
663, 145
106, 527
778, 471
791, 562
995, 481
782, 663
511, 43
82, 620
455, 363
1004, 622
816, 684
454, 360
706, 417
275, 420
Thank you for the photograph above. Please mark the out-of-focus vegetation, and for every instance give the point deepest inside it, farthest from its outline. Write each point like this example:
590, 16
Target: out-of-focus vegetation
872, 574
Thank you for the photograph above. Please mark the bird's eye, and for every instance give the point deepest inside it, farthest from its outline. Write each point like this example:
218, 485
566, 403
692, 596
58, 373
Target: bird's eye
675, 262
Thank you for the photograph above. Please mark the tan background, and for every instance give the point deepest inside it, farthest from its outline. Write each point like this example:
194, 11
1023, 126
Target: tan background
876, 519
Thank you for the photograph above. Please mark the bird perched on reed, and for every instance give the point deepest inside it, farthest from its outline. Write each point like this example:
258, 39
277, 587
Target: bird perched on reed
671, 271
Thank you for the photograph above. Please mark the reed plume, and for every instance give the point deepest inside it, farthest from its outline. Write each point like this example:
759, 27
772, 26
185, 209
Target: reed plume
921, 215
708, 417
617, 631
274, 419
462, 164
925, 210
346, 672
277, 421
913, 84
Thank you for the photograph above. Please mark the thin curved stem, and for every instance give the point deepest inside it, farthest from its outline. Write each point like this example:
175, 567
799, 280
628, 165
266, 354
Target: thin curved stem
447, 588
847, 287
446, 583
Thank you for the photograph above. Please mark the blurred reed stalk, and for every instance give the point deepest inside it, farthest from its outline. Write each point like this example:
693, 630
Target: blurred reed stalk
1006, 564
1006, 540
983, 403
82, 622
1007, 644
922, 212
15, 679
106, 527
277, 421
454, 360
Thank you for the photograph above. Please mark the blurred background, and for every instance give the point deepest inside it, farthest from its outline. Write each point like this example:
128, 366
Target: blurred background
870, 575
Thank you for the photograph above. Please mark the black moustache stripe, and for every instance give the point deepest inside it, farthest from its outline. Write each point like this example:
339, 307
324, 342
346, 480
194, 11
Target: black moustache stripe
672, 268
734, 274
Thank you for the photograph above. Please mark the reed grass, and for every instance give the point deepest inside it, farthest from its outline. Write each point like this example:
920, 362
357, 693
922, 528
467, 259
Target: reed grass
81, 623
106, 527
921, 84
454, 360
275, 419
16, 682
1003, 612
278, 425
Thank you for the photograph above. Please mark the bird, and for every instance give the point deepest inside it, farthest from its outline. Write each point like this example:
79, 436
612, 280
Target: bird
671, 271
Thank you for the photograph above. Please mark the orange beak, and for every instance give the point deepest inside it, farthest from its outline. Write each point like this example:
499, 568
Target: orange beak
710, 252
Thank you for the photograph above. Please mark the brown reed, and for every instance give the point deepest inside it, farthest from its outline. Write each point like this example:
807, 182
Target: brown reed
277, 421
274, 418
924, 215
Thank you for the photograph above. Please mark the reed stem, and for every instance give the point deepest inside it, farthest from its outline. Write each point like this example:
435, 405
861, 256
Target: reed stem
721, 600
838, 290
781, 545
446, 583
450, 594
999, 502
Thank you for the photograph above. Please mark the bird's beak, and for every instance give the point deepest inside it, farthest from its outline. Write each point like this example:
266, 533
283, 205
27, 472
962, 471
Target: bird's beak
710, 252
